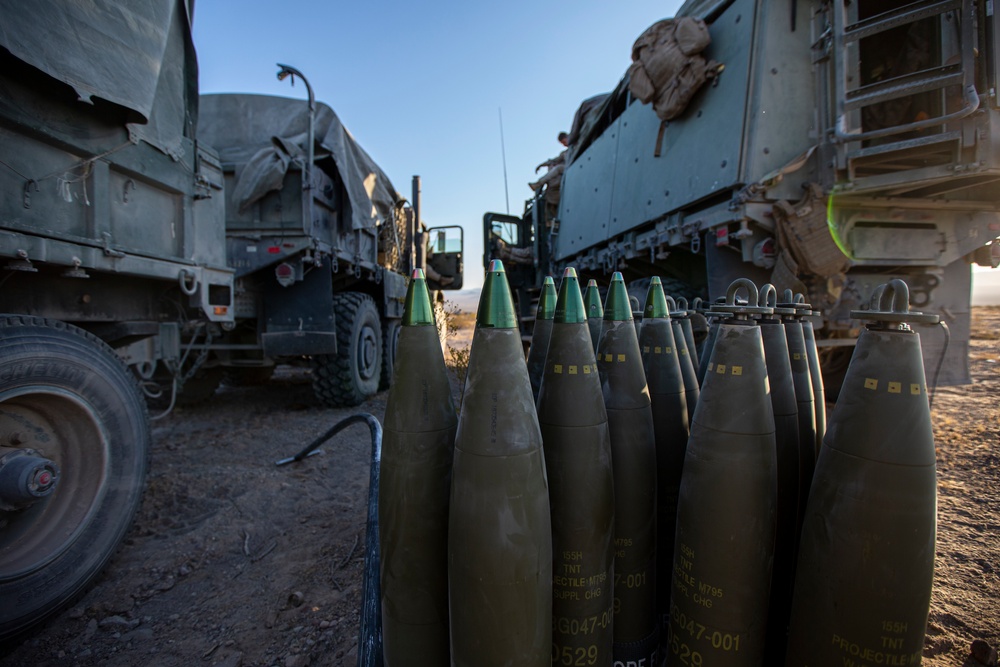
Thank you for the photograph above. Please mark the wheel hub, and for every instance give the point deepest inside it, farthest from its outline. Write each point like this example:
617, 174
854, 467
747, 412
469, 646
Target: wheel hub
367, 353
25, 478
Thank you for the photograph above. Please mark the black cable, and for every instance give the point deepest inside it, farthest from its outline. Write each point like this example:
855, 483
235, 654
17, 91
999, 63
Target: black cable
370, 628
937, 371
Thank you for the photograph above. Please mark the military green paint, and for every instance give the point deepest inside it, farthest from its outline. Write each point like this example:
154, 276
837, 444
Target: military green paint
691, 387
617, 307
866, 558
540, 333
633, 449
683, 315
496, 307
726, 511
499, 529
595, 312
417, 450
417, 307
577, 447
805, 410
670, 428
713, 332
816, 377
786, 427
570, 309
656, 301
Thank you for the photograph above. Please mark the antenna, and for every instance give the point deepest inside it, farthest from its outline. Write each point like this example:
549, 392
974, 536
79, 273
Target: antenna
503, 153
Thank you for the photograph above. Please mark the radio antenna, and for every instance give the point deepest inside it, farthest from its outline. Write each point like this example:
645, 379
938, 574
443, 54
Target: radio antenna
503, 153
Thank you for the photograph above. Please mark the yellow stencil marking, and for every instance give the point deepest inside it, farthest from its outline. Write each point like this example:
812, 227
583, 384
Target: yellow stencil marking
683, 351
737, 370
557, 368
796, 356
645, 348
595, 368
621, 358
915, 389
895, 387
586, 370
720, 369
666, 350
608, 357
710, 365
572, 370
871, 383
658, 350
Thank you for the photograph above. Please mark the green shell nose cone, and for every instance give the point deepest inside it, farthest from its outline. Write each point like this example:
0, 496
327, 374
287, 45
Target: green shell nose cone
593, 300
569, 307
417, 311
656, 301
617, 308
496, 307
547, 300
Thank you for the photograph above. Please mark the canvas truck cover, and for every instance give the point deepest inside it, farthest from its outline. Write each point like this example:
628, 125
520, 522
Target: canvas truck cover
265, 133
138, 55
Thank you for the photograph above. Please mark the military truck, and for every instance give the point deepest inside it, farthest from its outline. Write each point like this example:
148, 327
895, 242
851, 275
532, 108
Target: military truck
153, 244
838, 145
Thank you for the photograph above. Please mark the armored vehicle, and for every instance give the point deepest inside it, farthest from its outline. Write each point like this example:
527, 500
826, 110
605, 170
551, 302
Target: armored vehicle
834, 146
138, 261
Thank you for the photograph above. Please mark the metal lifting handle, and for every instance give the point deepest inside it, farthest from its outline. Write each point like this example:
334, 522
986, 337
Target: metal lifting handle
890, 303
768, 296
895, 297
734, 288
738, 307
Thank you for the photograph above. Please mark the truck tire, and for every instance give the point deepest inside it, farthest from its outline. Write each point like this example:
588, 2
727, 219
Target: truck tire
352, 375
390, 340
66, 395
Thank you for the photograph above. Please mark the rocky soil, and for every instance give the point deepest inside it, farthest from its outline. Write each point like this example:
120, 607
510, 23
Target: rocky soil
234, 561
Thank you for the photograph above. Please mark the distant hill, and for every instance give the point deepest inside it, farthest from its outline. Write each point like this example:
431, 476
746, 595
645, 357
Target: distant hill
465, 300
986, 287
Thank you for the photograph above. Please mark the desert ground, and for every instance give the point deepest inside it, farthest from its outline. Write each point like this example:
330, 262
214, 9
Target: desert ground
234, 561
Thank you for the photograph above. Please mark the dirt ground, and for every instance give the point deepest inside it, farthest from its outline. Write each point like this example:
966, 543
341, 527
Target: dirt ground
233, 561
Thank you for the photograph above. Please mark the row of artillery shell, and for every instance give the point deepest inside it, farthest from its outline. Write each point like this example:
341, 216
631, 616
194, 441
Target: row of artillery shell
537, 570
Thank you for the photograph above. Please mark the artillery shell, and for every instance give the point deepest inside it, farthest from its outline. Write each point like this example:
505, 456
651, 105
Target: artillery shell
866, 557
417, 449
540, 333
633, 451
499, 529
577, 447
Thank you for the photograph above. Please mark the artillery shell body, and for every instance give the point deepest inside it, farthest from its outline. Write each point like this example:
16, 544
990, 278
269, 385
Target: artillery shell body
633, 451
691, 388
577, 446
688, 332
726, 512
786, 431
499, 531
670, 427
706, 354
417, 449
866, 557
805, 410
816, 377
540, 334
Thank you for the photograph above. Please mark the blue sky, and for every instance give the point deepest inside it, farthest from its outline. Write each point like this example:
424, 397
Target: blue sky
419, 84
